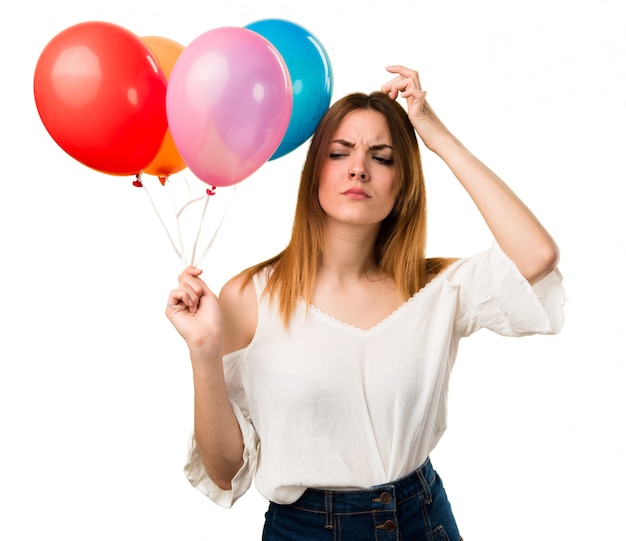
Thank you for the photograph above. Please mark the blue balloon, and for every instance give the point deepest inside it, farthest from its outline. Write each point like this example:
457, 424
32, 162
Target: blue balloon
311, 77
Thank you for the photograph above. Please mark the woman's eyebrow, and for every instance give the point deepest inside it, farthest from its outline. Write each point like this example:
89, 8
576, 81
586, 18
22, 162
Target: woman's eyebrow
344, 143
348, 144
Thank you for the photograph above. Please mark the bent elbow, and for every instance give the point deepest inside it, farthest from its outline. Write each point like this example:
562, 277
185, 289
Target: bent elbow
223, 483
223, 476
544, 261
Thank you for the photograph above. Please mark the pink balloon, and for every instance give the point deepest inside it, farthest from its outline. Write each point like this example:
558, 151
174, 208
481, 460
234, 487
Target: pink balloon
229, 102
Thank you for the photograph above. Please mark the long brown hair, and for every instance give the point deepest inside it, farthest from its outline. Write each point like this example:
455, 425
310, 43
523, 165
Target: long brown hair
401, 242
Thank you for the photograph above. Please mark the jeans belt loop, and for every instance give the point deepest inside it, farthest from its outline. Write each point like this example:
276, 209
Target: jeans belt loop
328, 504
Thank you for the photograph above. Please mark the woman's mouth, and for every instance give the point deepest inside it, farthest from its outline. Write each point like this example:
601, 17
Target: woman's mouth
356, 193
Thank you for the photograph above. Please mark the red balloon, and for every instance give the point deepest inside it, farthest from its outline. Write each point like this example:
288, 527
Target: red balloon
101, 95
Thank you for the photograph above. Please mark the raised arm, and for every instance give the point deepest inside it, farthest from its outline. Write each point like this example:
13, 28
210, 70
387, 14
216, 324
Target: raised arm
196, 313
518, 232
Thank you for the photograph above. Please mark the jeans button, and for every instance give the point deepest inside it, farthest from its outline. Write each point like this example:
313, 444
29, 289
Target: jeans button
386, 498
389, 526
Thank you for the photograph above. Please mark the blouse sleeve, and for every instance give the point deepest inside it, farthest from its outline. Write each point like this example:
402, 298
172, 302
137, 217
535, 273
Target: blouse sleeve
194, 469
493, 294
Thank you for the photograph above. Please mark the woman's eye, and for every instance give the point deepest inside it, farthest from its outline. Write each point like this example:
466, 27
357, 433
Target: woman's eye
336, 155
383, 160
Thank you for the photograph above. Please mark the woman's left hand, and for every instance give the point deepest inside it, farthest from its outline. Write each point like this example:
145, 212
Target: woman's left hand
407, 85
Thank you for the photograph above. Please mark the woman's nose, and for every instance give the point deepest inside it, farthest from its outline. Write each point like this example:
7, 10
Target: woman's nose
358, 170
356, 174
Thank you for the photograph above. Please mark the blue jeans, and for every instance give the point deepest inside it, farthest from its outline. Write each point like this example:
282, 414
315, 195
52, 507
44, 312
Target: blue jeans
414, 508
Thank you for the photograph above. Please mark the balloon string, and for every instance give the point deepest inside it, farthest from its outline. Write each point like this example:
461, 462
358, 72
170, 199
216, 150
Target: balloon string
169, 236
186, 205
195, 244
179, 212
216, 231
176, 215
180, 248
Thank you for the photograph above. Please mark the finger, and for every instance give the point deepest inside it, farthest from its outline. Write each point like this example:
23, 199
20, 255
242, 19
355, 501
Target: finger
192, 282
405, 87
189, 292
176, 302
400, 70
191, 297
415, 98
181, 300
412, 93
393, 87
191, 271
190, 279
403, 71
406, 73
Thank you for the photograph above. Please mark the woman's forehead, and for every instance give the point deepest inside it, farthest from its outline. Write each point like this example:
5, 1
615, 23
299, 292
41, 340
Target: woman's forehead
364, 126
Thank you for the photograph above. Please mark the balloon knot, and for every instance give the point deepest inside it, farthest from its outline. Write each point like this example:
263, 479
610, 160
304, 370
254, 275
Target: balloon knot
137, 183
211, 190
162, 179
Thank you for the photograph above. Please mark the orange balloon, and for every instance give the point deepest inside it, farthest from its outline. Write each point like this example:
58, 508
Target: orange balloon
168, 161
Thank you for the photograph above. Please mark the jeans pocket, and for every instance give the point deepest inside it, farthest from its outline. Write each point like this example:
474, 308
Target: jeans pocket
439, 534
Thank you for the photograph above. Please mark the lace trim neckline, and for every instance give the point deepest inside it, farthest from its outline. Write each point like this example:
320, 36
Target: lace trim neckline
392, 315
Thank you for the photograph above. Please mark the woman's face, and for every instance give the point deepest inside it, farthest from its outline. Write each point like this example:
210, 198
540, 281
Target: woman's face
357, 184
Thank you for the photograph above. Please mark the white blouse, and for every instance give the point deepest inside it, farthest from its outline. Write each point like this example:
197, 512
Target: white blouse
324, 404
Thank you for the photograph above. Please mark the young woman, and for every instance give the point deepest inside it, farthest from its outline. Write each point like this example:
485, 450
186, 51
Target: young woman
323, 372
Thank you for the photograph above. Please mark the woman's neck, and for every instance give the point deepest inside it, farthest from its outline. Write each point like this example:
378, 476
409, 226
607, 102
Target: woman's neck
349, 252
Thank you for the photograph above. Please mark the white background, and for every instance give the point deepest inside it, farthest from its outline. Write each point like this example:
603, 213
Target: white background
95, 387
